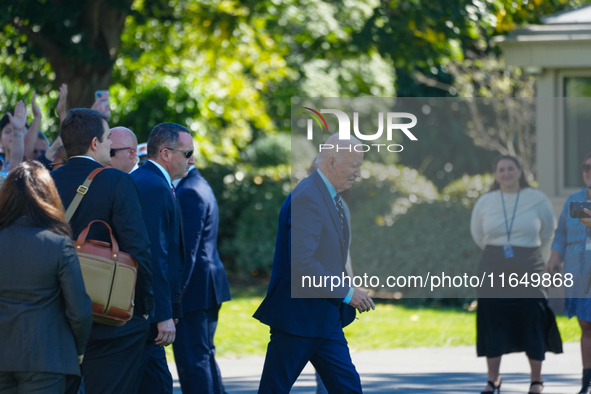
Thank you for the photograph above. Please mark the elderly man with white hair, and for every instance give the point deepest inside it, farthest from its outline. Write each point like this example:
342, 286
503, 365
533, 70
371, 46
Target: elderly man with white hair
312, 241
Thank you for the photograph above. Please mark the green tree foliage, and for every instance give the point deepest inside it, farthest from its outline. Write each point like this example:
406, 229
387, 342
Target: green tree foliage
401, 225
227, 68
214, 57
70, 41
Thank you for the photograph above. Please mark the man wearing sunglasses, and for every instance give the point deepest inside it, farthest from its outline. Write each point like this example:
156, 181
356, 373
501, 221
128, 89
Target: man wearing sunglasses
123, 150
170, 155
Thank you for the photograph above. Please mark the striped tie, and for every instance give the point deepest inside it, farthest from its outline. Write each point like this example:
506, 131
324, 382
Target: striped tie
173, 192
341, 212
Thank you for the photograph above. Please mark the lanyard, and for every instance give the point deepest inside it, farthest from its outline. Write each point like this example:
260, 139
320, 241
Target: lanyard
507, 227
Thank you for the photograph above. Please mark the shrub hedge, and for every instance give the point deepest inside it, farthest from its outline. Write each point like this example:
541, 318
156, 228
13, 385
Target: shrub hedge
400, 221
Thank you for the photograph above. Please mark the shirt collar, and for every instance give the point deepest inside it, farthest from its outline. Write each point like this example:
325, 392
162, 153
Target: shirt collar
329, 185
166, 174
83, 157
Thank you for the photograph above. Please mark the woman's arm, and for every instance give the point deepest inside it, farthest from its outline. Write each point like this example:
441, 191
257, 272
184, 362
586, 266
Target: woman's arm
559, 244
476, 223
33, 132
78, 304
548, 224
17, 144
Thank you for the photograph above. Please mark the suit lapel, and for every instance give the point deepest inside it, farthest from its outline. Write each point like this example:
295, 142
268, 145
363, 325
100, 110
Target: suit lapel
332, 209
151, 167
177, 206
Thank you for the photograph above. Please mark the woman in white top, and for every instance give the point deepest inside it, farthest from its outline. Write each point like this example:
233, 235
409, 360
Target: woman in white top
512, 223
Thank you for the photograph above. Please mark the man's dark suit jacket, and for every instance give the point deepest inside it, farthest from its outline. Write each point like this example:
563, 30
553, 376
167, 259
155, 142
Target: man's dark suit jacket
113, 198
309, 226
45, 313
163, 220
205, 277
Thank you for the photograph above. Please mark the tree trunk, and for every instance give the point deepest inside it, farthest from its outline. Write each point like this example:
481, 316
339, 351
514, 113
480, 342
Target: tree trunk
82, 82
101, 26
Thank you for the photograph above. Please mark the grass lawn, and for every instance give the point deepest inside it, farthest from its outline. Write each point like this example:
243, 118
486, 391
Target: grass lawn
389, 326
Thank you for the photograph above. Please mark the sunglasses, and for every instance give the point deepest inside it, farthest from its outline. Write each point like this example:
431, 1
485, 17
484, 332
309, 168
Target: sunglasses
113, 151
586, 167
51, 165
188, 153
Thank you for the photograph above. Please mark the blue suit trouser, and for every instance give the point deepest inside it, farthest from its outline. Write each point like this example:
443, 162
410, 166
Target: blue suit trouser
194, 352
287, 355
154, 376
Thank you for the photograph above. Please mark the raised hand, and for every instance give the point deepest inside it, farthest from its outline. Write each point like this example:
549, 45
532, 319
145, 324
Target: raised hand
19, 119
35, 107
61, 108
102, 107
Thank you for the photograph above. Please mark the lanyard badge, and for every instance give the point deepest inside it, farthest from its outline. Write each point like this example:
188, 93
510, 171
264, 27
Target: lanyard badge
508, 249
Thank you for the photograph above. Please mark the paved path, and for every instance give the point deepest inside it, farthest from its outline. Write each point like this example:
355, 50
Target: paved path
421, 370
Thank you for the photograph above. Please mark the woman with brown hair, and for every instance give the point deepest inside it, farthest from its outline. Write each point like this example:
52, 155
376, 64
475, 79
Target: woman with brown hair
513, 223
45, 313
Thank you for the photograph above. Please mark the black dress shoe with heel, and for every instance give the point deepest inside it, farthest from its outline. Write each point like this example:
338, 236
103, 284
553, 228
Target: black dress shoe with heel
495, 390
533, 384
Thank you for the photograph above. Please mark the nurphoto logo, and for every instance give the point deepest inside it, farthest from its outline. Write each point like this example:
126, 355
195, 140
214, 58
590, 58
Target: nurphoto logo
345, 129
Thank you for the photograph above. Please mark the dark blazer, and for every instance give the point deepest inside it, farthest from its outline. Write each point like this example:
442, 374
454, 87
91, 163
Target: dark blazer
310, 242
112, 197
204, 274
45, 313
163, 220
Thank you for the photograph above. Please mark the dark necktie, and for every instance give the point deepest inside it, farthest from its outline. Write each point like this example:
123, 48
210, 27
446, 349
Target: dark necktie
341, 211
173, 192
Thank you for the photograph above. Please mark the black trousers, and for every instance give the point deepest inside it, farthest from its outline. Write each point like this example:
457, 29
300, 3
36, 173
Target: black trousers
112, 358
32, 382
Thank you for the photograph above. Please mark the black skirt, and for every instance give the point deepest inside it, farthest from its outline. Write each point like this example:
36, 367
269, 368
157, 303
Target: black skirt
508, 325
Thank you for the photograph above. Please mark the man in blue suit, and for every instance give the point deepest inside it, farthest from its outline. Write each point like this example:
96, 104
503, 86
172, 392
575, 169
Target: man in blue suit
206, 288
113, 352
170, 154
312, 240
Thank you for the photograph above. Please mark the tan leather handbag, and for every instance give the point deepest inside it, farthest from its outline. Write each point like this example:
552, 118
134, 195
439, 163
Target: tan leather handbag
109, 274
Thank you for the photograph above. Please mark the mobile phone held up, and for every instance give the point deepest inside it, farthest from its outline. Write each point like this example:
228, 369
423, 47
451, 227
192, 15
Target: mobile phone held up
102, 95
576, 209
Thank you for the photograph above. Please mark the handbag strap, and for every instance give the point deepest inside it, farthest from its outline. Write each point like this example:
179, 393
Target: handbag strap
80, 192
